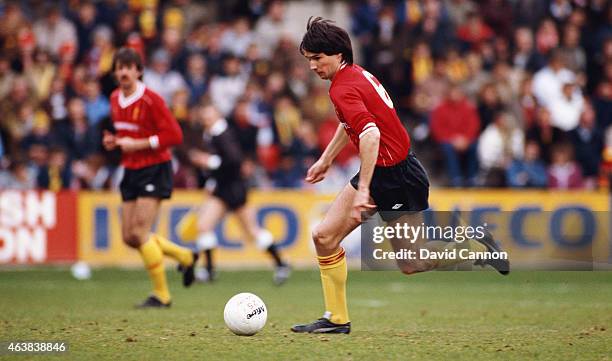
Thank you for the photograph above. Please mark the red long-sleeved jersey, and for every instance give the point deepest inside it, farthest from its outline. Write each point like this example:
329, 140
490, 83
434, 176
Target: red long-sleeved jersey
144, 115
362, 105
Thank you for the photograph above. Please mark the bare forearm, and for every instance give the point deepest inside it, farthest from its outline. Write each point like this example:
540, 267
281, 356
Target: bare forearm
368, 153
128, 144
335, 145
143, 143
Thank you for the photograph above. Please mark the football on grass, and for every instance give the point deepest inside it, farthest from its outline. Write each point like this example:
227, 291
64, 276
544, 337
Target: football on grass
245, 314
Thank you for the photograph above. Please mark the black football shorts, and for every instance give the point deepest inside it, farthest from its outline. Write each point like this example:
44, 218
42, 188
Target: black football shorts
233, 193
400, 188
153, 181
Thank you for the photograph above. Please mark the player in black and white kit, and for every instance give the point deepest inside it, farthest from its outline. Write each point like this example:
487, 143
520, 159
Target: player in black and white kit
227, 191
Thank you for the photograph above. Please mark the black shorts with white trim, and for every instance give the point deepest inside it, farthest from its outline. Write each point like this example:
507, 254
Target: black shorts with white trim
153, 181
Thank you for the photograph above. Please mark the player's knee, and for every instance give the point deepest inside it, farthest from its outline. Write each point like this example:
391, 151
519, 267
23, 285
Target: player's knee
324, 240
132, 239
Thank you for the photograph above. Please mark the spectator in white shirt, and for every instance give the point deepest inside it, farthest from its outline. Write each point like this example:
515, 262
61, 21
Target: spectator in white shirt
565, 111
238, 39
161, 79
271, 28
498, 145
548, 82
227, 88
54, 32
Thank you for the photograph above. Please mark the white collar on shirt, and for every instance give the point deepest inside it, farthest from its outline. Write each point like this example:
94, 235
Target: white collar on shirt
219, 127
126, 102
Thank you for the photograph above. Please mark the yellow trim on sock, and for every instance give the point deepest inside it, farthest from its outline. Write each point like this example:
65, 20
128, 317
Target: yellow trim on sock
340, 250
330, 261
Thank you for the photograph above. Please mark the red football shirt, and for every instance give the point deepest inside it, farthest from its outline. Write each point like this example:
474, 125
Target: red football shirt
362, 105
144, 115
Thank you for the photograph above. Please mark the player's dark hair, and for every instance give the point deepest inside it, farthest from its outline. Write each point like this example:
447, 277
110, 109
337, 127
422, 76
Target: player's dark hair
127, 56
322, 36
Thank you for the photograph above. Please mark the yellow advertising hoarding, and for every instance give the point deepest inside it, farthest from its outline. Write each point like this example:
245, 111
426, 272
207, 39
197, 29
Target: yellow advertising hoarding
291, 215
288, 215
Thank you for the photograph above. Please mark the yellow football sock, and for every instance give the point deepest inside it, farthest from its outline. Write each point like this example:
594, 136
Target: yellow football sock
475, 246
441, 246
187, 228
181, 254
153, 259
333, 278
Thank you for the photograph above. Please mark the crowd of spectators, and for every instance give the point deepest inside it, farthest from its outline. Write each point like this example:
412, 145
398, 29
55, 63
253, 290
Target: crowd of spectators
511, 93
495, 93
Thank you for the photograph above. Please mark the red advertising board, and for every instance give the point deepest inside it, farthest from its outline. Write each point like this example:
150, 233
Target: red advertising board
37, 227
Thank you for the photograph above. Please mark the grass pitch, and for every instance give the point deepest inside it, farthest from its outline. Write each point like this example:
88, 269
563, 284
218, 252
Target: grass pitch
438, 315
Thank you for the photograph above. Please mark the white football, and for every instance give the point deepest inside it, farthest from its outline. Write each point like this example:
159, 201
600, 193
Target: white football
81, 271
245, 314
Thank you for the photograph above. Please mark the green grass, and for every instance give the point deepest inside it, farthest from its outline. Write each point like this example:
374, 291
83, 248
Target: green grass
439, 315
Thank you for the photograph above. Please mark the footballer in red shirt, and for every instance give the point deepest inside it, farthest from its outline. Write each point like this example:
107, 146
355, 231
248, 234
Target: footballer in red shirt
391, 180
144, 132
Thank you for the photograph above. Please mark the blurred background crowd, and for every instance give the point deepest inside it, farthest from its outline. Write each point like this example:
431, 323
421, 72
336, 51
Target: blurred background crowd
495, 93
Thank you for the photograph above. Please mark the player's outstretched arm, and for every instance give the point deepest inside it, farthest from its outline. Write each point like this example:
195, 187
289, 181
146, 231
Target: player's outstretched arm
204, 160
317, 172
